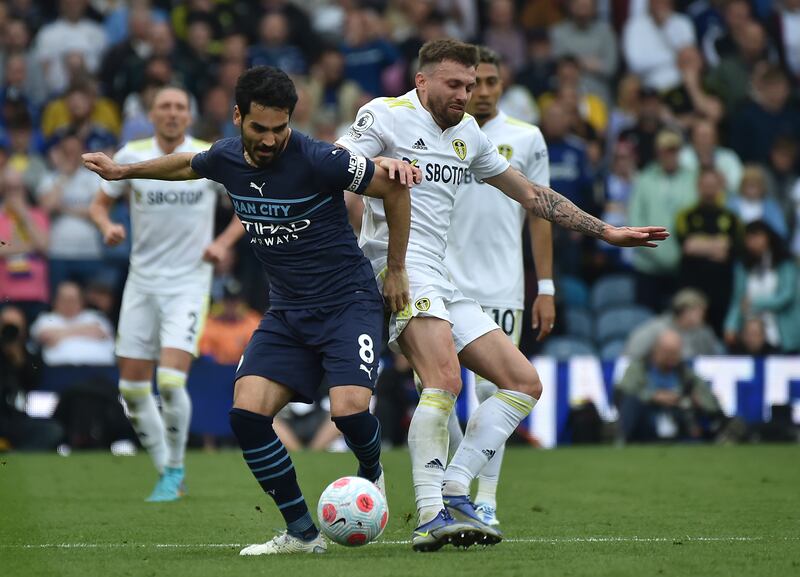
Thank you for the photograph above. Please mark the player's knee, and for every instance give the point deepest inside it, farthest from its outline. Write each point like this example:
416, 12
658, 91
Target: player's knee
446, 378
348, 406
526, 382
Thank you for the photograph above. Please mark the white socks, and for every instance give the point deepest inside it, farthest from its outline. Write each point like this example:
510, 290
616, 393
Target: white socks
487, 430
145, 419
455, 433
490, 474
428, 440
176, 409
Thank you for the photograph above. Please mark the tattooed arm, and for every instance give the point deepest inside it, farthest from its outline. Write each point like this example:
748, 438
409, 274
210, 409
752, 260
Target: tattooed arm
546, 203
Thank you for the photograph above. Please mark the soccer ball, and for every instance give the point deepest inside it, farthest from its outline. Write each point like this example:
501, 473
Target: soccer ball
352, 512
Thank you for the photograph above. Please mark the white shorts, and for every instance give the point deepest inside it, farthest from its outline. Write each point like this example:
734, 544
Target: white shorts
150, 322
509, 321
433, 294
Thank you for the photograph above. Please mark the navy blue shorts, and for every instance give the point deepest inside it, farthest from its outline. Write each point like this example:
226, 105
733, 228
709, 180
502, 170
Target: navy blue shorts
300, 349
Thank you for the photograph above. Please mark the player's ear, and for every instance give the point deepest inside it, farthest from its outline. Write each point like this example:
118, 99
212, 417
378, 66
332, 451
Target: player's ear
419, 80
237, 117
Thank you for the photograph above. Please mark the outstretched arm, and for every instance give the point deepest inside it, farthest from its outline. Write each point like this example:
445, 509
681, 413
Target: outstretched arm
546, 203
218, 249
176, 166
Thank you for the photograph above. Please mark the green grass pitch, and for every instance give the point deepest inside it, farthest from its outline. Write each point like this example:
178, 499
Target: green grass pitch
660, 511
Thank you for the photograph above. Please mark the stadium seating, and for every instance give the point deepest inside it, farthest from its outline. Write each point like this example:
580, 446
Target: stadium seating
616, 289
618, 322
562, 348
578, 323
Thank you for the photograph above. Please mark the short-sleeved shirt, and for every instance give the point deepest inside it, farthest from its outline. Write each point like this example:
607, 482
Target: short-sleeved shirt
172, 222
402, 128
484, 244
294, 213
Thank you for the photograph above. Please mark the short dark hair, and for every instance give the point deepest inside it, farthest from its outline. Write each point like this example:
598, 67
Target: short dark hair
436, 51
266, 86
777, 246
488, 56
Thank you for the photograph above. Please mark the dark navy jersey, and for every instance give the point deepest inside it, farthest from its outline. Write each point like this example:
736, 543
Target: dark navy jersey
294, 212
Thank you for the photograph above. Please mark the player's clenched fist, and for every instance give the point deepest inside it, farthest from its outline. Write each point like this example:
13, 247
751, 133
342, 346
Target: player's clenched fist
101, 164
113, 234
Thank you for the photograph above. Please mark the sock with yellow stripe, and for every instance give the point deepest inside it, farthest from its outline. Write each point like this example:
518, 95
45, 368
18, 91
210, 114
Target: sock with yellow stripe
489, 427
428, 439
176, 409
145, 419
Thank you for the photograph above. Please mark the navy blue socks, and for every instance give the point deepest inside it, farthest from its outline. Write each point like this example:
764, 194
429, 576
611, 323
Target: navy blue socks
362, 433
270, 464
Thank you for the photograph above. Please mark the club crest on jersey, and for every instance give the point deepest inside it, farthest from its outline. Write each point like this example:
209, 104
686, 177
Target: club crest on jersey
506, 150
422, 304
460, 147
363, 122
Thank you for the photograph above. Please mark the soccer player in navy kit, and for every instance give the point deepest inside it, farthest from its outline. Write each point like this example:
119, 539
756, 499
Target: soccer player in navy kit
326, 314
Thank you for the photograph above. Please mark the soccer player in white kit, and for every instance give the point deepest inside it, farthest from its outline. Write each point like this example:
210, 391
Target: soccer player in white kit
428, 128
165, 300
489, 267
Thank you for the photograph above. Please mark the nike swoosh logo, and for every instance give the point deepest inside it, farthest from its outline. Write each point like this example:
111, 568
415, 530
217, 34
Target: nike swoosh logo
340, 519
422, 534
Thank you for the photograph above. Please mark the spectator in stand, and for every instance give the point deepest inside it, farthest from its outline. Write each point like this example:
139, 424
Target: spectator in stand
660, 192
23, 248
540, 64
590, 106
72, 334
229, 326
765, 285
691, 100
24, 147
504, 35
709, 235
117, 21
731, 79
662, 397
14, 94
299, 425
783, 172
16, 39
753, 203
625, 113
195, 56
752, 340
274, 47
71, 33
652, 41
736, 17
704, 150
592, 42
786, 28
793, 210
95, 120
617, 190
216, 121
329, 91
75, 245
765, 117
122, 67
367, 52
650, 122
687, 316
570, 174
19, 373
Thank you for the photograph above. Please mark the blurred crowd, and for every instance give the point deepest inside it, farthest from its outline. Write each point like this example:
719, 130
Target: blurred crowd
681, 113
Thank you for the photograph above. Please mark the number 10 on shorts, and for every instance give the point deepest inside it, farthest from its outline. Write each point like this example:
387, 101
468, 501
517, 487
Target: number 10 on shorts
366, 351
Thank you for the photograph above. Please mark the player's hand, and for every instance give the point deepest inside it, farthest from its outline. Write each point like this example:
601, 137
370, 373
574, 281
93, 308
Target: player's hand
405, 172
544, 315
113, 234
215, 253
100, 163
635, 235
395, 289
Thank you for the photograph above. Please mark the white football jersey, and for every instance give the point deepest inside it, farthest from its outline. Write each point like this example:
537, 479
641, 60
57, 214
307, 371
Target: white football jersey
172, 222
484, 244
402, 128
